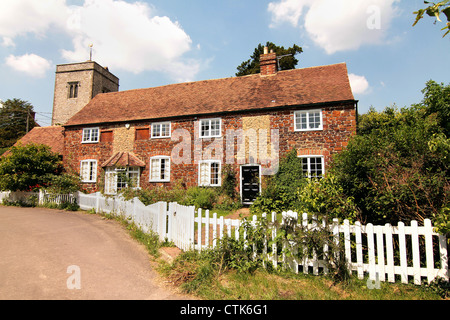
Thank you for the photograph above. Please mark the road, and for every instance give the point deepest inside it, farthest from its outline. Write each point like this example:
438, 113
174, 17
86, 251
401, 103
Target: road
60, 255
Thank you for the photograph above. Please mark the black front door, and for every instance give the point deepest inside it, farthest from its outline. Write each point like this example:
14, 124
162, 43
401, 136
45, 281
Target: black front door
250, 183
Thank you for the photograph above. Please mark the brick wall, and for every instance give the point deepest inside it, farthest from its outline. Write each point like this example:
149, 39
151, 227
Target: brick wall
339, 123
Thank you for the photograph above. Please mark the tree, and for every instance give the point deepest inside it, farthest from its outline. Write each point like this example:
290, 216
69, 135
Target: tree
437, 100
29, 167
16, 119
397, 168
435, 10
252, 66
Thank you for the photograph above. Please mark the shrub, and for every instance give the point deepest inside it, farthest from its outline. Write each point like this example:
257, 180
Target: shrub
63, 184
281, 191
325, 197
28, 167
200, 197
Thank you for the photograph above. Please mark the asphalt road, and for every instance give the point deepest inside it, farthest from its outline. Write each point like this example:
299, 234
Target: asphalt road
59, 255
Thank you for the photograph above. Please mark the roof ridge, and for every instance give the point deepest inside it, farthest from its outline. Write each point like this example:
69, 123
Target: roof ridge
221, 79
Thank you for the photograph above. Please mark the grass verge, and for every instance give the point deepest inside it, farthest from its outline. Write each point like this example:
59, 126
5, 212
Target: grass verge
208, 276
194, 274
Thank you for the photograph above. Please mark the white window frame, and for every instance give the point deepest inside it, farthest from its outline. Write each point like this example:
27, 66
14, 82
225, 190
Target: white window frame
307, 113
308, 157
87, 135
92, 167
111, 178
219, 178
160, 124
209, 135
167, 171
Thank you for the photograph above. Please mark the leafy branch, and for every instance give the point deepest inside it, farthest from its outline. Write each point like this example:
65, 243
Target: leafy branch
435, 10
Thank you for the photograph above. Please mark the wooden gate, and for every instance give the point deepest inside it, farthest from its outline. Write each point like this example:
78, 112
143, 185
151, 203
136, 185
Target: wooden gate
179, 226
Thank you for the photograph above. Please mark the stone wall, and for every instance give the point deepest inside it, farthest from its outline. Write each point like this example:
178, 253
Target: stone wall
92, 78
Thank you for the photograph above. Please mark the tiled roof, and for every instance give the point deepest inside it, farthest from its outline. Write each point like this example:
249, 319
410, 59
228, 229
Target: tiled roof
296, 87
51, 136
124, 159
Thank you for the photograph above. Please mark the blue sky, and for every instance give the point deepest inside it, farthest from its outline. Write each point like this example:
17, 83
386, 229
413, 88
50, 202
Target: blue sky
154, 42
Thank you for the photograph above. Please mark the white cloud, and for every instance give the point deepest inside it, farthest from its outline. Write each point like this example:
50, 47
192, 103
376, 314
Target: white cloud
19, 17
126, 36
7, 42
30, 64
286, 11
359, 84
338, 25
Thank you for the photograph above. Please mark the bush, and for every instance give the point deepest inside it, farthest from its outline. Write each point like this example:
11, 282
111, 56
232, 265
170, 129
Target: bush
200, 197
281, 191
325, 197
28, 167
63, 184
397, 168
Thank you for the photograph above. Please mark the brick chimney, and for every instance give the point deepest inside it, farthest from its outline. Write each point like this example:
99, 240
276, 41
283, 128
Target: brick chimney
268, 62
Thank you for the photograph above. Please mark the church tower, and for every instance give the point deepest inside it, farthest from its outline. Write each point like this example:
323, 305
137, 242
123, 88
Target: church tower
76, 84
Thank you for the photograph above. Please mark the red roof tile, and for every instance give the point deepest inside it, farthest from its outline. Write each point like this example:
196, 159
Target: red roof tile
124, 159
51, 136
296, 87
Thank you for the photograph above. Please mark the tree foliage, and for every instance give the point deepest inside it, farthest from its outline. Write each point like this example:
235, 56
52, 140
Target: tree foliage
435, 10
15, 118
28, 167
252, 66
281, 191
397, 167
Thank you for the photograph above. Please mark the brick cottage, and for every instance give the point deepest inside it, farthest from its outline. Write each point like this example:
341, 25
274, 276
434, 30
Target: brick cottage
186, 133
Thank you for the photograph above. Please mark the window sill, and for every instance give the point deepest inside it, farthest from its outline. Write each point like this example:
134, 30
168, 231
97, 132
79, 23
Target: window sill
307, 130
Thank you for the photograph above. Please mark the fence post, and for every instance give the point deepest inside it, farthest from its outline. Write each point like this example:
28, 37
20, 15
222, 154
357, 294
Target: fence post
402, 247
359, 255
214, 229
380, 250
347, 245
199, 230
206, 228
41, 197
274, 245
371, 247
445, 272
416, 252
97, 202
429, 249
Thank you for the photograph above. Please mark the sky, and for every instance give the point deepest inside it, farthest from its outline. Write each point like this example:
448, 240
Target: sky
151, 43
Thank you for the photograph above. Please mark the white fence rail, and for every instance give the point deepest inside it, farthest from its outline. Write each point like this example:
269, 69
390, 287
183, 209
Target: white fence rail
170, 221
385, 253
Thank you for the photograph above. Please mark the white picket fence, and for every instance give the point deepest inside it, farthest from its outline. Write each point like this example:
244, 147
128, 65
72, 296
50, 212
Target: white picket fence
42, 197
172, 222
383, 252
